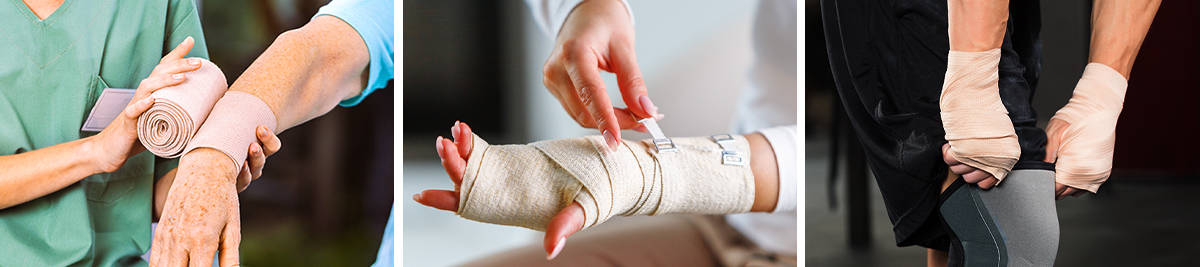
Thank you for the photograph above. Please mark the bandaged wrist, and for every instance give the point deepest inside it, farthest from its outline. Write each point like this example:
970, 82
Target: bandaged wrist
168, 126
231, 126
526, 185
976, 122
1085, 153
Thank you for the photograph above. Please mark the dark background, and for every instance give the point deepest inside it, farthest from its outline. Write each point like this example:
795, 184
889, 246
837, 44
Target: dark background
1144, 215
324, 198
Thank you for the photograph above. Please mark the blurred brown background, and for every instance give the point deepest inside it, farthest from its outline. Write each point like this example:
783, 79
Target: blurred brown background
324, 198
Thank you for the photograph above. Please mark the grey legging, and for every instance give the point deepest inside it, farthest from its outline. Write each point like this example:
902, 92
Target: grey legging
1013, 224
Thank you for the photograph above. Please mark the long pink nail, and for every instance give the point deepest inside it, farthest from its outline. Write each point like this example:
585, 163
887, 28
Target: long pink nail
610, 139
648, 106
557, 248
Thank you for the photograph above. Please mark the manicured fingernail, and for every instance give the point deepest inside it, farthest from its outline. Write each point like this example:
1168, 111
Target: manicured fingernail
557, 248
647, 105
439, 143
659, 116
417, 197
194, 62
611, 140
177, 76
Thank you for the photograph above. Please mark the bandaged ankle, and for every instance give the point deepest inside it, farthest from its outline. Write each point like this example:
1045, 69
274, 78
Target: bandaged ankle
231, 126
526, 185
977, 125
167, 127
1085, 154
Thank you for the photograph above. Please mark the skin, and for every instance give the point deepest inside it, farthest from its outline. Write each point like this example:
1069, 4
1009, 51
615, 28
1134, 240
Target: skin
1118, 29
598, 35
454, 155
301, 76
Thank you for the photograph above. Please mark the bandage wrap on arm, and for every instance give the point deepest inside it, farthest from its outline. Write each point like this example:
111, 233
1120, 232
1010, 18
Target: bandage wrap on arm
977, 125
168, 126
526, 185
231, 126
1085, 153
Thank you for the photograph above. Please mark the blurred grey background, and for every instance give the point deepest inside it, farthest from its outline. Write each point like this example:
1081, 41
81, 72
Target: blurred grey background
1143, 216
480, 62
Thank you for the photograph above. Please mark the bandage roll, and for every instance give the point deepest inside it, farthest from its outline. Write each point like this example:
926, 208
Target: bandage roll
166, 128
526, 185
976, 122
231, 126
1085, 153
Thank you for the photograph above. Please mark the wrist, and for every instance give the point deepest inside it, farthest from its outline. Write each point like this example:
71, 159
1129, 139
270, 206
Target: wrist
94, 157
209, 162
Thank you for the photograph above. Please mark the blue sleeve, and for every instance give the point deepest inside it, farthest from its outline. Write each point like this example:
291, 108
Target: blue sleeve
373, 19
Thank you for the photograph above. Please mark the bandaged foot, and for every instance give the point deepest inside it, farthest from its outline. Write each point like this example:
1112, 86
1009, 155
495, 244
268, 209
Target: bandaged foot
1083, 132
977, 125
526, 185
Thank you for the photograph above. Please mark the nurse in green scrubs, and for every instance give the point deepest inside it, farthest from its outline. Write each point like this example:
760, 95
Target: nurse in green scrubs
68, 197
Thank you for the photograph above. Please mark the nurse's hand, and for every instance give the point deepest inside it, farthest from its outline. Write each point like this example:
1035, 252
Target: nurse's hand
598, 35
201, 214
256, 159
118, 141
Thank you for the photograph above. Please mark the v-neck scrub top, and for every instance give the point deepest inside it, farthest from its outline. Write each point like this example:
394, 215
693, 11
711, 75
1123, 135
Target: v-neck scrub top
51, 72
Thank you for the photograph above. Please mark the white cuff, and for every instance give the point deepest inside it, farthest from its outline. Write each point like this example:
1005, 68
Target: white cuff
784, 143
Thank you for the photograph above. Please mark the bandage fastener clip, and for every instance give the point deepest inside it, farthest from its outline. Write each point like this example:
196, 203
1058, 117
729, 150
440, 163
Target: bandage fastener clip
728, 155
661, 142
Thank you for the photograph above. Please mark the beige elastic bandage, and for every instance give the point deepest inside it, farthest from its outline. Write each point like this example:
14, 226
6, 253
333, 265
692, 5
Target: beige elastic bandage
977, 125
526, 185
168, 126
1085, 154
231, 126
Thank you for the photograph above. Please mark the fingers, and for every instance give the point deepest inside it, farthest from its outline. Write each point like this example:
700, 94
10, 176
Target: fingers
177, 66
257, 159
568, 221
156, 82
988, 183
630, 82
582, 66
1054, 133
244, 178
159, 247
961, 169
270, 142
1059, 188
453, 164
947, 157
439, 199
203, 256
463, 138
180, 50
136, 109
975, 176
231, 241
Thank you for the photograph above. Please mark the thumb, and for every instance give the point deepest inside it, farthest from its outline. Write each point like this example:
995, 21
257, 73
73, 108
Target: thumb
1054, 132
630, 82
231, 240
568, 221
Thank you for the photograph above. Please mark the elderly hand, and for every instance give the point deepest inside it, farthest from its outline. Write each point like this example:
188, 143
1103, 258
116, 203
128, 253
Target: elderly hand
201, 214
598, 35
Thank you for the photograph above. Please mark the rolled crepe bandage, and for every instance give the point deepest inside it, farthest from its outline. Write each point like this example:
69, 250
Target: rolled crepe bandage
526, 185
977, 125
231, 126
1085, 153
166, 128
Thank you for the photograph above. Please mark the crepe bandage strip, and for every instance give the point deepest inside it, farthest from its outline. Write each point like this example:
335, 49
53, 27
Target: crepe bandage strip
231, 126
1085, 154
526, 185
977, 125
166, 128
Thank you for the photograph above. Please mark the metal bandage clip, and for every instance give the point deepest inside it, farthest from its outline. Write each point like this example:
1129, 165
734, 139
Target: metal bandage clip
728, 155
661, 142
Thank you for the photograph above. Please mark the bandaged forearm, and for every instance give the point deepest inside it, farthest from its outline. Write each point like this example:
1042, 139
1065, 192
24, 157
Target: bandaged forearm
977, 125
230, 127
178, 111
1085, 153
526, 185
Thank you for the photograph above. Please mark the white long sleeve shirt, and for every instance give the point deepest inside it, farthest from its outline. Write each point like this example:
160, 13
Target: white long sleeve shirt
767, 105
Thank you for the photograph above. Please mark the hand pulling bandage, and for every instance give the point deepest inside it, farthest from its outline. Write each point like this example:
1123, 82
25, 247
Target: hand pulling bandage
1085, 153
231, 126
977, 125
168, 126
526, 185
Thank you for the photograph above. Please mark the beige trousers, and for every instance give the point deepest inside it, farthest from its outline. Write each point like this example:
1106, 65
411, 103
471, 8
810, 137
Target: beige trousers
668, 240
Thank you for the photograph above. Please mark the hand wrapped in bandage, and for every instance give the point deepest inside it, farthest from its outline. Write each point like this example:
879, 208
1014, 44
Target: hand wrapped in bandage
1082, 135
561, 186
980, 134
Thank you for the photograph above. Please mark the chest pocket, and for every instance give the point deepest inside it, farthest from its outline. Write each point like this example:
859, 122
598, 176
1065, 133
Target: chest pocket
107, 188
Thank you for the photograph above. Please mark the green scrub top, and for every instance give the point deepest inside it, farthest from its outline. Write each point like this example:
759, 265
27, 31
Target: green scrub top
51, 72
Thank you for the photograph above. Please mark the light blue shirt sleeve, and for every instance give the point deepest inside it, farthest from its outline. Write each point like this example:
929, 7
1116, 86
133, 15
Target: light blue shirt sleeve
386, 257
374, 21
